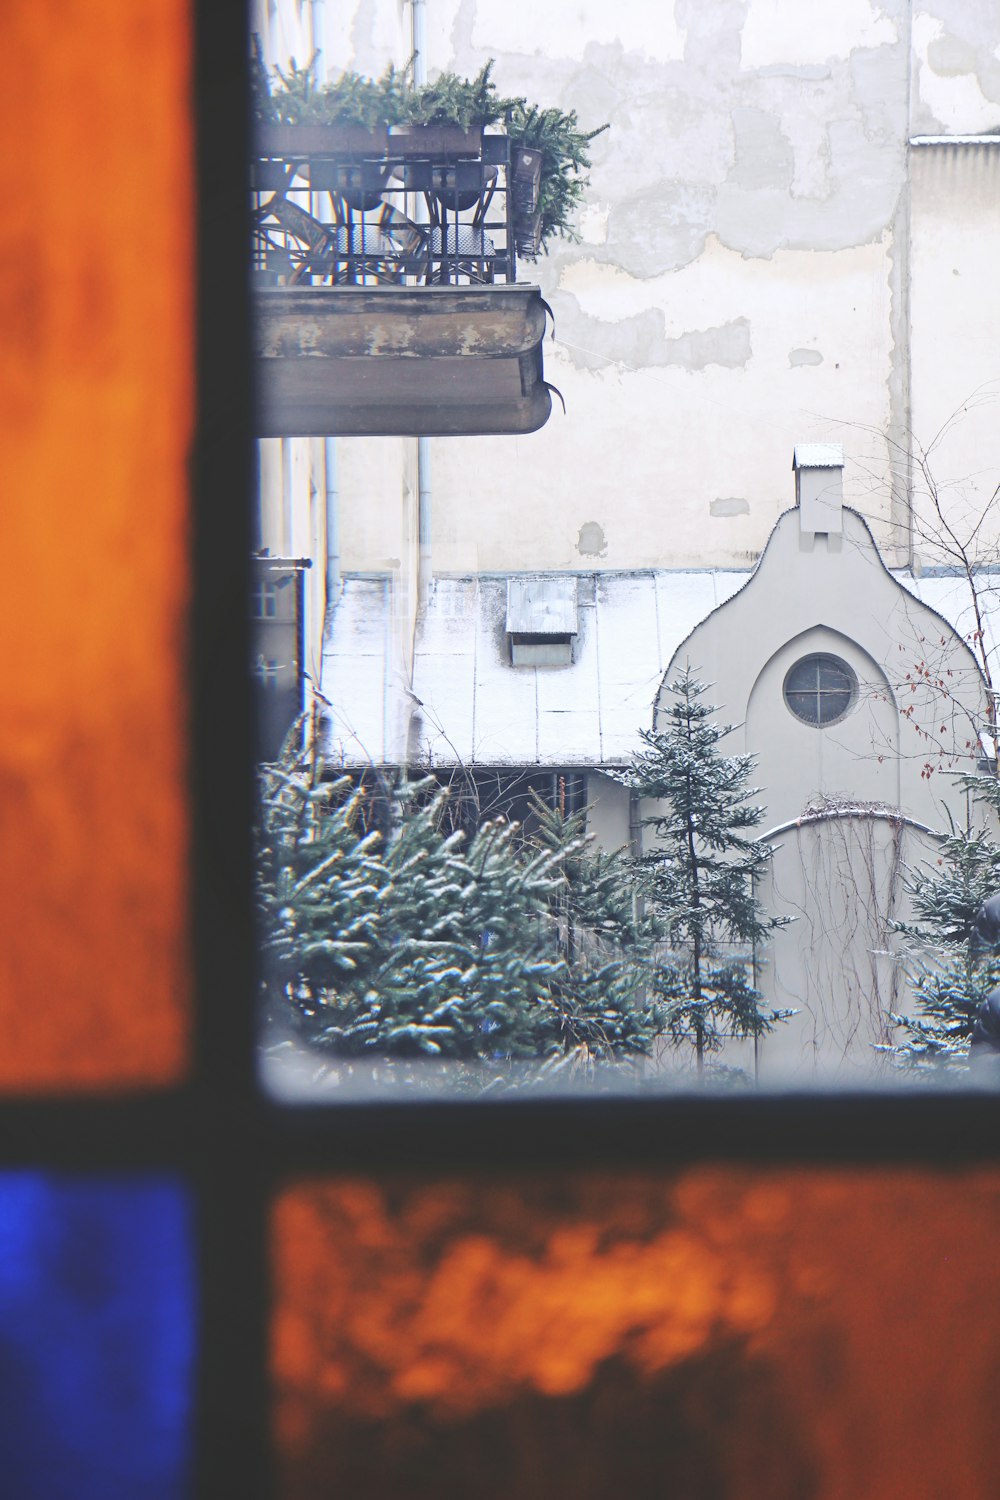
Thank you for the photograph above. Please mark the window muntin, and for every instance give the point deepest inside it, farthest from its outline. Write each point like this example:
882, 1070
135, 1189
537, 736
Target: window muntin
210, 1144
820, 690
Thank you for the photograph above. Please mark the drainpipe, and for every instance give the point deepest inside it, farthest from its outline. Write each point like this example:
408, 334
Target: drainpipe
332, 521
318, 29
287, 513
424, 565
418, 47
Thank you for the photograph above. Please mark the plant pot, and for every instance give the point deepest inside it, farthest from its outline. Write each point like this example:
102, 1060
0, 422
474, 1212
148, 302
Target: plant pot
526, 178
435, 140
356, 141
460, 186
359, 184
528, 234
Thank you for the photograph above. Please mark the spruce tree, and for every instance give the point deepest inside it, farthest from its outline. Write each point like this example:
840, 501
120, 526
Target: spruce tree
595, 915
949, 978
320, 883
409, 942
699, 874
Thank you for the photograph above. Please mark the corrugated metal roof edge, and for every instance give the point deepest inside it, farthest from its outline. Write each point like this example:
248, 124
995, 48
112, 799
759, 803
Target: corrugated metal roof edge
954, 140
498, 576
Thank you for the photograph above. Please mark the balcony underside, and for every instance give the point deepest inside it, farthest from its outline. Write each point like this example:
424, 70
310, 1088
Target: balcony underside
398, 360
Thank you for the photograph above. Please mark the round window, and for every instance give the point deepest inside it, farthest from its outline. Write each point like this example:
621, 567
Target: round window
820, 689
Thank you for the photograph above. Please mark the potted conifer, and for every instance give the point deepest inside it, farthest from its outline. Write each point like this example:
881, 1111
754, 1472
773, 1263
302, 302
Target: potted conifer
363, 120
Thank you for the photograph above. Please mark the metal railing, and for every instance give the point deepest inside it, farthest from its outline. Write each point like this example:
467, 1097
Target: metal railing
339, 206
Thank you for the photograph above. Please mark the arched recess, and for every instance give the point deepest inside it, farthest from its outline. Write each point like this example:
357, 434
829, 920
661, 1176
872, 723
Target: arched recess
799, 764
838, 873
838, 864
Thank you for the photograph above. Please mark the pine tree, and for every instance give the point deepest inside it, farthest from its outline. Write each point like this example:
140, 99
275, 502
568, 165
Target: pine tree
700, 874
949, 979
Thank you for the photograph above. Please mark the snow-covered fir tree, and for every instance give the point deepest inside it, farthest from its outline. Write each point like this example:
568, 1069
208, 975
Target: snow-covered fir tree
699, 872
408, 942
949, 977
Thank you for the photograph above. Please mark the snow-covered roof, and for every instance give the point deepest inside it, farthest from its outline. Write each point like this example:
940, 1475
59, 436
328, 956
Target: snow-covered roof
468, 705
474, 707
955, 140
541, 604
818, 456
949, 596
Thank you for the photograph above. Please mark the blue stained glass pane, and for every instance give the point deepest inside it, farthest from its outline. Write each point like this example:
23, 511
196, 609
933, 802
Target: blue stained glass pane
97, 1334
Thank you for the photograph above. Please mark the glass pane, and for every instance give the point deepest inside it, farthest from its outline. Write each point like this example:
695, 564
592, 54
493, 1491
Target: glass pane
833, 704
96, 370
832, 675
96, 1338
505, 620
805, 704
743, 1333
802, 677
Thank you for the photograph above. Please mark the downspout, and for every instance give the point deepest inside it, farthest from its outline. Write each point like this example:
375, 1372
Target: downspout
418, 45
332, 521
424, 567
318, 24
287, 510
318, 28
418, 48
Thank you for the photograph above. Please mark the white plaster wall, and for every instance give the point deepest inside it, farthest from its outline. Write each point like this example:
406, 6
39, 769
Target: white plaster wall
292, 523
836, 591
374, 500
956, 64
686, 393
955, 378
894, 748
608, 814
741, 280
734, 290
857, 758
835, 964
374, 519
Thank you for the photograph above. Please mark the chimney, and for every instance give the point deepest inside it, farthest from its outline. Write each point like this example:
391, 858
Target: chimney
819, 488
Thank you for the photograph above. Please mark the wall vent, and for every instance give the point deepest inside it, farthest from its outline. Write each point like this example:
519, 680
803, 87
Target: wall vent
542, 620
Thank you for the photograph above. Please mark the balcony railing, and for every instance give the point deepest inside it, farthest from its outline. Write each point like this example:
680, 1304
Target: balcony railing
414, 205
385, 265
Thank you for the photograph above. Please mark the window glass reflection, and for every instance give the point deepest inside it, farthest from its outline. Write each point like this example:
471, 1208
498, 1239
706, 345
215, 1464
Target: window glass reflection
600, 769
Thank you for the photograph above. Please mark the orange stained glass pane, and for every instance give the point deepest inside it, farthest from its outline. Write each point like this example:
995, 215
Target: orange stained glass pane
754, 1334
95, 411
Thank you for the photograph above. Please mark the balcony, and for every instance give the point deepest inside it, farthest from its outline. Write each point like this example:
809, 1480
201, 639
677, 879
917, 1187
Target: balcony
385, 282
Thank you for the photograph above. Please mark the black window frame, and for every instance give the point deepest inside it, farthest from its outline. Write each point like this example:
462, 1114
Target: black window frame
217, 1132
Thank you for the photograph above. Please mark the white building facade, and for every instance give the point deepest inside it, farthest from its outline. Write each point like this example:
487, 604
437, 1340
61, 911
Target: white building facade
790, 239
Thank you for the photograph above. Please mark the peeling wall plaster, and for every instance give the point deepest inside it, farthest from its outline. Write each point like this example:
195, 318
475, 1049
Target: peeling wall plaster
741, 282
776, 32
591, 541
957, 68
640, 341
652, 31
